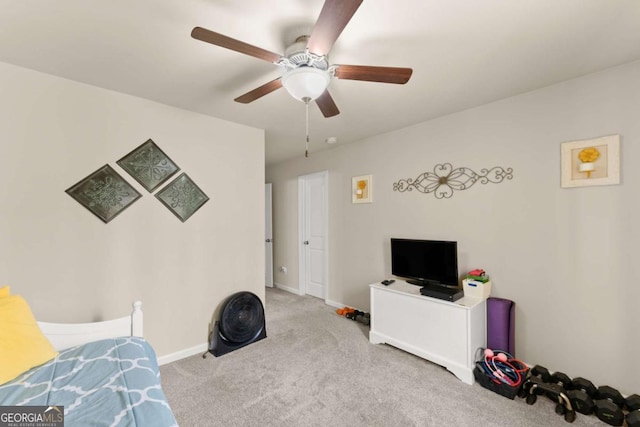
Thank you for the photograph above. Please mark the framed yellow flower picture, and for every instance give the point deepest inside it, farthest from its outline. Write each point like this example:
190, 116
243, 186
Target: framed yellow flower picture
590, 162
361, 191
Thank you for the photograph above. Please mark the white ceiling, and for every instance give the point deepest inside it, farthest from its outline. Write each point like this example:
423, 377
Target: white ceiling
464, 53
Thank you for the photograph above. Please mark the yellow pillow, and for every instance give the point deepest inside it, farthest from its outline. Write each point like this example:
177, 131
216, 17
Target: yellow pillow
22, 344
5, 291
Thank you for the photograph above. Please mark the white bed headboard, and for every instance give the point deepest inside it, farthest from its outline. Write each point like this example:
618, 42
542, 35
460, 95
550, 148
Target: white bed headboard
65, 335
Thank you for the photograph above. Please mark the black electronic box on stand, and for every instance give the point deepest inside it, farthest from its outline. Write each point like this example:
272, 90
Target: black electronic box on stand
441, 292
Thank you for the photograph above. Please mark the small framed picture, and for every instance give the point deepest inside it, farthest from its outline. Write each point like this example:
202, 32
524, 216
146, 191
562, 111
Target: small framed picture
361, 189
591, 162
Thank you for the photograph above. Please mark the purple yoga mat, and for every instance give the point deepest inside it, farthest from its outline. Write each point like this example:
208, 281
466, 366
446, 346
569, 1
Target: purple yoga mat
501, 325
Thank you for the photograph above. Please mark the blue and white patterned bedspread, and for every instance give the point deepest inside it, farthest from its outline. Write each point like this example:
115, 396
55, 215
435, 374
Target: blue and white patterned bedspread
112, 382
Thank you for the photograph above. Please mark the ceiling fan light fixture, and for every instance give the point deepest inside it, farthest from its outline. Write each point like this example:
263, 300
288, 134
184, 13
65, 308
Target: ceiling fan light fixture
306, 82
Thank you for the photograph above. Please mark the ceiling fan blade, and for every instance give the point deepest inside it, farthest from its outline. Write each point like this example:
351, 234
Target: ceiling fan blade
374, 74
259, 92
218, 39
335, 15
326, 105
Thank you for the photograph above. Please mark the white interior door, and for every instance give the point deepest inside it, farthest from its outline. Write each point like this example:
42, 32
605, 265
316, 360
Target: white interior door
268, 240
312, 210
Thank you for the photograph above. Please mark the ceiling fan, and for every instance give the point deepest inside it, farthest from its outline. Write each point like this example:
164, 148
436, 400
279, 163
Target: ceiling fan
307, 70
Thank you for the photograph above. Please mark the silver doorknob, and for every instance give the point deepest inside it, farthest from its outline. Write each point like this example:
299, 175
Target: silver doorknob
306, 242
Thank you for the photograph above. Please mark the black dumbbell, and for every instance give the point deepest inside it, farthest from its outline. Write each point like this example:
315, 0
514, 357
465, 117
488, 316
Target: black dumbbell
362, 317
610, 393
543, 375
535, 386
541, 372
632, 402
633, 418
365, 319
562, 380
558, 378
608, 405
581, 395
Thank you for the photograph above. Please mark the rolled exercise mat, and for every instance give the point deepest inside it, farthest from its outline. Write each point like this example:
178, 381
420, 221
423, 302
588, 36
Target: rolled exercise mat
501, 324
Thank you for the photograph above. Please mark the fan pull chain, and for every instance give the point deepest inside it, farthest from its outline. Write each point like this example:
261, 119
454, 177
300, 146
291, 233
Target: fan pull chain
306, 145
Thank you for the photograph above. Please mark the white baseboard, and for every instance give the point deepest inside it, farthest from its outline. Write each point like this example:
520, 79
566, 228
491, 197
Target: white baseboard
187, 352
334, 303
298, 292
288, 289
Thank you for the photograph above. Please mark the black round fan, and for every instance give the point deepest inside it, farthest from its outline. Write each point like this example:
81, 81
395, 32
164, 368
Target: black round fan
241, 323
242, 318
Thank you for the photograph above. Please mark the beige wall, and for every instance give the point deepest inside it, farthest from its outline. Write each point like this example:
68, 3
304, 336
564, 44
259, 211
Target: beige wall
566, 256
71, 266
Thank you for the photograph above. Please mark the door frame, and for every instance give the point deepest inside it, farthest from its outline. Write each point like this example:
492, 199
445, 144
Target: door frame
268, 193
302, 214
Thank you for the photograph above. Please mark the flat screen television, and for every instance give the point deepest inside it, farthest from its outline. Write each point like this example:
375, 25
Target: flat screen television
425, 262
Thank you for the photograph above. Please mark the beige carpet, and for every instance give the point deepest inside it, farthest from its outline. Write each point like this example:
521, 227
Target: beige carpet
316, 368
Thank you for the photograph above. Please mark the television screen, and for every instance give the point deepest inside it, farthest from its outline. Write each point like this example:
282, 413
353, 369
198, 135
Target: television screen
425, 262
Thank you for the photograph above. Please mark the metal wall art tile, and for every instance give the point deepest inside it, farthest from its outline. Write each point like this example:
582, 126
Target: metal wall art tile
149, 165
182, 197
105, 193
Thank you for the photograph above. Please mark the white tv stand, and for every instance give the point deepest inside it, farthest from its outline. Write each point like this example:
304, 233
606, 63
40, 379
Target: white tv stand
443, 332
